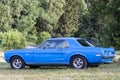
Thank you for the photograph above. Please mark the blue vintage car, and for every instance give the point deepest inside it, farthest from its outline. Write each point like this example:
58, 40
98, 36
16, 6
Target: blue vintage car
76, 52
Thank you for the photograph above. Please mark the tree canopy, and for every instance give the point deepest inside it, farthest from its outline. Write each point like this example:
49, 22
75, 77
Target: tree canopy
96, 20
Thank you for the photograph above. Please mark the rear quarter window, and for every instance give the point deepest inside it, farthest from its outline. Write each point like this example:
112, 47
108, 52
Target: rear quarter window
83, 42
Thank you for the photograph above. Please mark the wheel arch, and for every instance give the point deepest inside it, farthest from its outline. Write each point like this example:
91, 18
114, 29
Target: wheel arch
16, 56
78, 55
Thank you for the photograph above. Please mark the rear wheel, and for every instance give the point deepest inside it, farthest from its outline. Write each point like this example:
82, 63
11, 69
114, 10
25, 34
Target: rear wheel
79, 62
17, 63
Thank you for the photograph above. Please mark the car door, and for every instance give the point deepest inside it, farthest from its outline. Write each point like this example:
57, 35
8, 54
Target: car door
51, 52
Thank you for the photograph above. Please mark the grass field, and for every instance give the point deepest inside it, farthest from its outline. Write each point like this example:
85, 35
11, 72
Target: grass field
103, 72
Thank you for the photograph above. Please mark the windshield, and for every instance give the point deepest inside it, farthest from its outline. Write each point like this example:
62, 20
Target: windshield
85, 43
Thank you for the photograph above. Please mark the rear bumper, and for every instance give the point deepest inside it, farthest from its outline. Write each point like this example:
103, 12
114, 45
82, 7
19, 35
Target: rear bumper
107, 57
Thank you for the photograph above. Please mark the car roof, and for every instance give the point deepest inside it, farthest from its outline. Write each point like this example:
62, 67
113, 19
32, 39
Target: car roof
64, 38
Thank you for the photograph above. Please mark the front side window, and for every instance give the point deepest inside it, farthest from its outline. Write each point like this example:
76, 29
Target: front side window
53, 44
62, 44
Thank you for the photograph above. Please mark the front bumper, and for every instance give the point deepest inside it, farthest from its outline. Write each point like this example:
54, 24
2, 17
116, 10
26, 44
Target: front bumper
6, 60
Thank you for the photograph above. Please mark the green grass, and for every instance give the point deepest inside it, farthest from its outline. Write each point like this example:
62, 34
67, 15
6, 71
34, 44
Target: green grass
103, 72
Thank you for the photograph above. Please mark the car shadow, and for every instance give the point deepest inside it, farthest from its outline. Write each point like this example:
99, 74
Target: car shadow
48, 67
6, 66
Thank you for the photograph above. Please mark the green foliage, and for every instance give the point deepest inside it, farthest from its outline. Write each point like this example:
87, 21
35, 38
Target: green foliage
82, 7
97, 20
100, 22
68, 22
88, 27
84, 27
113, 21
1, 41
108, 20
5, 15
1, 35
49, 15
13, 39
25, 18
42, 36
31, 38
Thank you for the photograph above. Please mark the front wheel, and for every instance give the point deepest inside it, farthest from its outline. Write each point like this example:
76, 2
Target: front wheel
79, 62
17, 63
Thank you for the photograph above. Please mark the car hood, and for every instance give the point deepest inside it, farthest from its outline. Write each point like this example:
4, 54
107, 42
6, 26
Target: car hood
21, 50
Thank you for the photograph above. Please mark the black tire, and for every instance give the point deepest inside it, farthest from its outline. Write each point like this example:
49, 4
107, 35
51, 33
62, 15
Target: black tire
78, 62
17, 63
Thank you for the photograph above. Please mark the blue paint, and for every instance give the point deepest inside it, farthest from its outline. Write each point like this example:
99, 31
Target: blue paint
60, 50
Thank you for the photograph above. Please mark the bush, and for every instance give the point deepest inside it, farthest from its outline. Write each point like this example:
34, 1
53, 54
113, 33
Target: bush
42, 36
31, 38
13, 39
1, 38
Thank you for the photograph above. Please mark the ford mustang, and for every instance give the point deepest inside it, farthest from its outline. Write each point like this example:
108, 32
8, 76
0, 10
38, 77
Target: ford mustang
76, 52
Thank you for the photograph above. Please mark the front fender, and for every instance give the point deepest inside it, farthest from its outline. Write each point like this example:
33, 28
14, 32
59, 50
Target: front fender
27, 57
8, 56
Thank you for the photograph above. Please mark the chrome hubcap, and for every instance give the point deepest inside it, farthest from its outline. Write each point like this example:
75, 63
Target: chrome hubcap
17, 63
78, 63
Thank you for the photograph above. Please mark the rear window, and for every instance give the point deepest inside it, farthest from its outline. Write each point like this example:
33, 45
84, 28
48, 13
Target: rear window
83, 42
